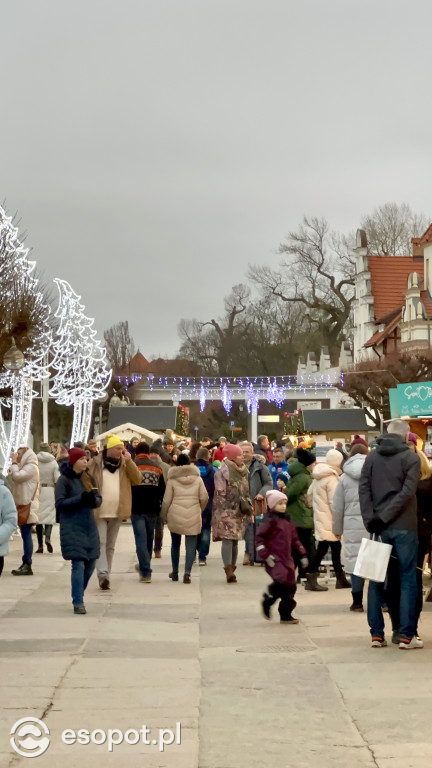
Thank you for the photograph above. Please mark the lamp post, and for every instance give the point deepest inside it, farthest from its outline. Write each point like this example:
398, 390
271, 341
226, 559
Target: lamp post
13, 359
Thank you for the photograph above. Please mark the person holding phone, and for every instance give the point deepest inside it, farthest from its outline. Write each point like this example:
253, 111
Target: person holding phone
76, 496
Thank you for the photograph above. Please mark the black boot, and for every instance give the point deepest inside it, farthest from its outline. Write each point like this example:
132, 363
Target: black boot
357, 604
342, 581
312, 583
24, 570
266, 604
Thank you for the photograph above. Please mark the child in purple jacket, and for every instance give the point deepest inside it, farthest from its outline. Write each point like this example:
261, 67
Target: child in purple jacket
276, 539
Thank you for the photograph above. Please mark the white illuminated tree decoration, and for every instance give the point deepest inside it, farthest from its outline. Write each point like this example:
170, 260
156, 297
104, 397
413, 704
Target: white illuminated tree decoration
82, 374
24, 317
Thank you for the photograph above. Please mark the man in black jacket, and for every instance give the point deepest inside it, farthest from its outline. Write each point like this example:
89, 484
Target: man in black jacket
146, 505
388, 505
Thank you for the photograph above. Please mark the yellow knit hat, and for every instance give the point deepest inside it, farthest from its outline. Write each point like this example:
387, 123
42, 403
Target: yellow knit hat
113, 440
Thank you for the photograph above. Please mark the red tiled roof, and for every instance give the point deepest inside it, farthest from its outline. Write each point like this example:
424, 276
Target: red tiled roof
138, 364
425, 238
389, 278
424, 295
379, 336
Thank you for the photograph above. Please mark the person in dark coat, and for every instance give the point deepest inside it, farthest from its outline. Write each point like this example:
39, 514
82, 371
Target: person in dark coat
75, 498
276, 539
132, 447
146, 508
207, 473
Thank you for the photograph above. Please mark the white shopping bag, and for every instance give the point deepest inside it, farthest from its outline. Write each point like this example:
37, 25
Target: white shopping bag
372, 560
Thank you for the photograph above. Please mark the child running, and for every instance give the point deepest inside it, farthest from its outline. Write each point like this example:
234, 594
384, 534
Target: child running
276, 539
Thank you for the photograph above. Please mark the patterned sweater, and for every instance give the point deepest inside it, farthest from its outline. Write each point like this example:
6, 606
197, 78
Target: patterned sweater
147, 497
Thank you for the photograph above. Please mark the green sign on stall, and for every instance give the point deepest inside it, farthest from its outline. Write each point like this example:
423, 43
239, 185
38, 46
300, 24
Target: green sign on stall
413, 399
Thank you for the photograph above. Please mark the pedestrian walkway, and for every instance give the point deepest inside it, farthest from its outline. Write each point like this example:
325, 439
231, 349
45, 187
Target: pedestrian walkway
247, 692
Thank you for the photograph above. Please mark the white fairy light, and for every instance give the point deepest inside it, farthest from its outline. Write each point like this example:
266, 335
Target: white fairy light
83, 374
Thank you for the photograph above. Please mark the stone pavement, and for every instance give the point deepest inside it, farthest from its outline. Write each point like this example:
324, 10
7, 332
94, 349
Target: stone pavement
247, 692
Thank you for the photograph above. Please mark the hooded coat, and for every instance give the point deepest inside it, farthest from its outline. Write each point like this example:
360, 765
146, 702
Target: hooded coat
347, 518
8, 518
227, 520
25, 484
320, 494
388, 484
79, 537
185, 498
277, 536
300, 513
49, 473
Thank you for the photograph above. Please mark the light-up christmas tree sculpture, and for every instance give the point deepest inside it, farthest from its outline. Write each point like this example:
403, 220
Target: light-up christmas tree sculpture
24, 322
82, 374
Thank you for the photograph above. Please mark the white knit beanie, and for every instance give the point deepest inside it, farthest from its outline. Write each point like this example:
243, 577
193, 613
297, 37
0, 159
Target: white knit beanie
274, 497
334, 458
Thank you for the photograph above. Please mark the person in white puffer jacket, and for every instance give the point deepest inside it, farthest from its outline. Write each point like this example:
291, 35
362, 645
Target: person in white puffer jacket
347, 518
49, 473
320, 498
25, 490
8, 521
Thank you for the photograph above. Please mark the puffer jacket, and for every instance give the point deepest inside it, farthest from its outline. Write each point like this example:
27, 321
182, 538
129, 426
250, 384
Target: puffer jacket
277, 536
347, 517
260, 479
185, 498
8, 518
25, 483
320, 495
207, 473
49, 473
79, 537
301, 515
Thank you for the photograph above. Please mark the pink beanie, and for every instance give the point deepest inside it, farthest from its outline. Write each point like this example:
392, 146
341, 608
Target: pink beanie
274, 497
232, 451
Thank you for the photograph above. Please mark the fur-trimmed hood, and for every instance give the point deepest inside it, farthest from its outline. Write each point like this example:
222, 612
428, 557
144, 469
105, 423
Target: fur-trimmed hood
185, 474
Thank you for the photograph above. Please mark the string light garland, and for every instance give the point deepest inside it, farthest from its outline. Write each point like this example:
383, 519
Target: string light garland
19, 281
82, 374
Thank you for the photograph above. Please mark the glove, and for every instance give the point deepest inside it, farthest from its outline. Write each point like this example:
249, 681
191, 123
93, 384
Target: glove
89, 499
270, 561
304, 562
376, 525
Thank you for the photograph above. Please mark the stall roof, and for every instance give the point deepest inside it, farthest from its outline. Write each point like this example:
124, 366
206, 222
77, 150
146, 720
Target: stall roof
335, 420
153, 417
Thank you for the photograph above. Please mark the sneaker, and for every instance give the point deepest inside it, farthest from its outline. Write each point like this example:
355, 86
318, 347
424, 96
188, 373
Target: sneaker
24, 570
408, 645
203, 562
378, 642
80, 609
291, 620
145, 579
173, 575
104, 584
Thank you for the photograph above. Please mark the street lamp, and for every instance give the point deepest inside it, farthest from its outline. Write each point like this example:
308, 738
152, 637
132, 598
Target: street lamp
13, 359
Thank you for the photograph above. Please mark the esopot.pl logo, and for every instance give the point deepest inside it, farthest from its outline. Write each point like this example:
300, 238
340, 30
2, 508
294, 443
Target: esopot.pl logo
22, 733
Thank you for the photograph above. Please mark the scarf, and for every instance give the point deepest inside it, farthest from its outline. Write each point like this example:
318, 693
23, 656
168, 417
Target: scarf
111, 464
236, 474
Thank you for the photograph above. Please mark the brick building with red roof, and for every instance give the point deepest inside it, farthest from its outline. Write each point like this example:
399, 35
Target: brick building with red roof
393, 301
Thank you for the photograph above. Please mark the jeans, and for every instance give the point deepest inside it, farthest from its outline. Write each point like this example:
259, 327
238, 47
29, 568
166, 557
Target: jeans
203, 544
250, 540
393, 585
158, 534
27, 543
322, 550
80, 576
40, 533
190, 551
405, 546
357, 583
143, 528
108, 528
229, 552
286, 594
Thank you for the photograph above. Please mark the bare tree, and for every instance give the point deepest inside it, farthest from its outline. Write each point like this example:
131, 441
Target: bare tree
390, 227
120, 346
316, 274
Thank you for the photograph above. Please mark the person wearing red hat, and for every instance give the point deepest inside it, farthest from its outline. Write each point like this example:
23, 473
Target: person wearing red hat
76, 497
231, 507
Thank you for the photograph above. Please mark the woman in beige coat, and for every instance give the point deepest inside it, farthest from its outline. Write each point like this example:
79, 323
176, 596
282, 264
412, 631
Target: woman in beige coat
185, 498
320, 497
24, 472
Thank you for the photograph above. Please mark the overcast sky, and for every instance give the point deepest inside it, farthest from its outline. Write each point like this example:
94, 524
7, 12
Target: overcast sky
154, 148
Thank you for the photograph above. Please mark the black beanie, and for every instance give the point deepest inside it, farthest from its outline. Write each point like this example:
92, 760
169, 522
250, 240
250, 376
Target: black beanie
305, 457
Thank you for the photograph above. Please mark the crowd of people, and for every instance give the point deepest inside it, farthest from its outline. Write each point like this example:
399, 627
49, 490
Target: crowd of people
290, 509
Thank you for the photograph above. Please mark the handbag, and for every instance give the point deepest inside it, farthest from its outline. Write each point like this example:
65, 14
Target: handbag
372, 560
245, 505
24, 509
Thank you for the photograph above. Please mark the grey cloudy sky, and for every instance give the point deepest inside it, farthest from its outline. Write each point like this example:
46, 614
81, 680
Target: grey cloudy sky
153, 148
